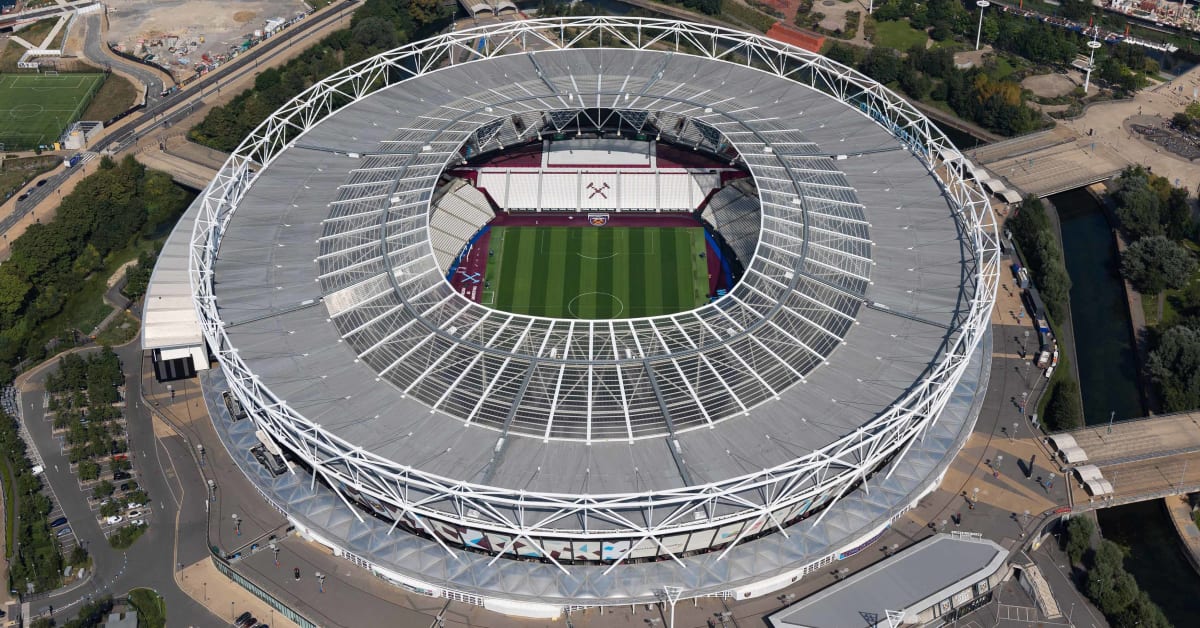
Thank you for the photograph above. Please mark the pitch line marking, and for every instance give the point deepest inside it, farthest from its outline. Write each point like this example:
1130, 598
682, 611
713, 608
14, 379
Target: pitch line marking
571, 303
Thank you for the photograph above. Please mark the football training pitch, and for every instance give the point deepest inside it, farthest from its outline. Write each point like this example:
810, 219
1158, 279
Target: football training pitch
596, 272
36, 108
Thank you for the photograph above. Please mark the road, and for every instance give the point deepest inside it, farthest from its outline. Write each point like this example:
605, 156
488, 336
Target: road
96, 49
162, 113
177, 523
37, 193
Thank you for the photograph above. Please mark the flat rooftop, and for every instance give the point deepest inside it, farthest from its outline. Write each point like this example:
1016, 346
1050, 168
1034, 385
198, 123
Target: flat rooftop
907, 583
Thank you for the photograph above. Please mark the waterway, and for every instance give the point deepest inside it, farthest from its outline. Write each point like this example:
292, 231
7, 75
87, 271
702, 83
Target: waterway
1106, 358
1108, 380
1155, 558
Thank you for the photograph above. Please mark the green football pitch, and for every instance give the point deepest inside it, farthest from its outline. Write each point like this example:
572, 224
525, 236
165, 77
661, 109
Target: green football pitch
36, 108
596, 272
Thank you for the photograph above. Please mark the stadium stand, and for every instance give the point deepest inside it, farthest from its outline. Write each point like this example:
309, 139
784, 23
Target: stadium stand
460, 212
562, 189
734, 212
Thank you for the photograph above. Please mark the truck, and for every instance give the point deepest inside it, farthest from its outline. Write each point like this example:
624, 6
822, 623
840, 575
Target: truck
73, 160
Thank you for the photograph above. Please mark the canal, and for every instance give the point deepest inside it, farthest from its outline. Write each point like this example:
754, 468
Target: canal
1108, 381
1104, 347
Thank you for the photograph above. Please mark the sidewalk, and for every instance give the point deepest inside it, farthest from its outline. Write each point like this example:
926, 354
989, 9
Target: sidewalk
1185, 526
222, 596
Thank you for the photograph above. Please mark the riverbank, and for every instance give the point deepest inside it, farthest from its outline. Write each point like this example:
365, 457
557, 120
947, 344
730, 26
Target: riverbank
1133, 298
1189, 535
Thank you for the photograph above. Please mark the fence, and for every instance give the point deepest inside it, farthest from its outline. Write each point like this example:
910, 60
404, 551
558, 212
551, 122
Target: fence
260, 593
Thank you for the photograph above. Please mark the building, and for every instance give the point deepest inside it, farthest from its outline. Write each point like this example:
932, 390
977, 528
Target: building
531, 464
938, 581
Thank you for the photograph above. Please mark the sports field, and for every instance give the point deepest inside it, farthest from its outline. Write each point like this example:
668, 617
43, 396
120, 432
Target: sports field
36, 108
596, 272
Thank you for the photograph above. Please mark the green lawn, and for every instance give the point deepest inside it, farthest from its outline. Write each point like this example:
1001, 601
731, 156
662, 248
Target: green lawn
36, 108
596, 272
898, 35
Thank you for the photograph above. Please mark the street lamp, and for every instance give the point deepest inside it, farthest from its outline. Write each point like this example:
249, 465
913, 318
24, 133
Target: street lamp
1093, 45
320, 581
982, 4
275, 549
237, 524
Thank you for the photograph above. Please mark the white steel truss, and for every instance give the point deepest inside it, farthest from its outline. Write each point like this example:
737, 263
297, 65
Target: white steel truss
622, 358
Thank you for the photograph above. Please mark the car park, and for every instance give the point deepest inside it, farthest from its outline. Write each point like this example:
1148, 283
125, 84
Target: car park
58, 522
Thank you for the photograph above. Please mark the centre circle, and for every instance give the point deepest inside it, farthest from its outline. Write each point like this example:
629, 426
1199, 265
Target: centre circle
27, 110
571, 305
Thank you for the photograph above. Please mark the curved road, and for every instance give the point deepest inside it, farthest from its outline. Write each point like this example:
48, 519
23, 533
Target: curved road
96, 49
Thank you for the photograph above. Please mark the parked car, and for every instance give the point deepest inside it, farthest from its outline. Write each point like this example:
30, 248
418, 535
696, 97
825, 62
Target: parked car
63, 532
135, 505
124, 486
114, 520
243, 617
133, 514
121, 475
250, 622
58, 522
138, 522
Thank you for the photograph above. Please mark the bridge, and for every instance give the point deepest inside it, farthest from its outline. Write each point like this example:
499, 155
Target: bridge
1131, 461
1049, 162
189, 164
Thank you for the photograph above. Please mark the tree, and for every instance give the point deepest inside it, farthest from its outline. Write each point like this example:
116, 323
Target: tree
1064, 411
1175, 366
881, 64
88, 470
1155, 263
1182, 121
1079, 537
109, 509
1108, 584
103, 489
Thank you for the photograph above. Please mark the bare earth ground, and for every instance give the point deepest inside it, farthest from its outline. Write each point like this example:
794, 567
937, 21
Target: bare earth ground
1049, 85
221, 24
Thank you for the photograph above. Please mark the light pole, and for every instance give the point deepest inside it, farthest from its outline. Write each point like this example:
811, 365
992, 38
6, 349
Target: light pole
982, 4
1017, 425
1093, 45
975, 496
275, 549
999, 461
237, 524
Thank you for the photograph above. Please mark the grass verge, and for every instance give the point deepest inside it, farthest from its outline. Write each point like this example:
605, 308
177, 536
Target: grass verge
115, 96
899, 35
151, 609
16, 173
121, 330
10, 507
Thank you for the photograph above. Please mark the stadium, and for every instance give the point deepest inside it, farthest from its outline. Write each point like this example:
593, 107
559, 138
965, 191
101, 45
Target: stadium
593, 311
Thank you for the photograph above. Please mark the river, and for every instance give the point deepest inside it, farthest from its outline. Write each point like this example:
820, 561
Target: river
1104, 347
1108, 380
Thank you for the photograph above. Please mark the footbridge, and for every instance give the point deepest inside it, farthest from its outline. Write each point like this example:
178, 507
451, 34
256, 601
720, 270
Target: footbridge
1130, 461
189, 164
1048, 162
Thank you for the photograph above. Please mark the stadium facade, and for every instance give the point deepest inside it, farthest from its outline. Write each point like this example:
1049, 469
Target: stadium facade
533, 464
